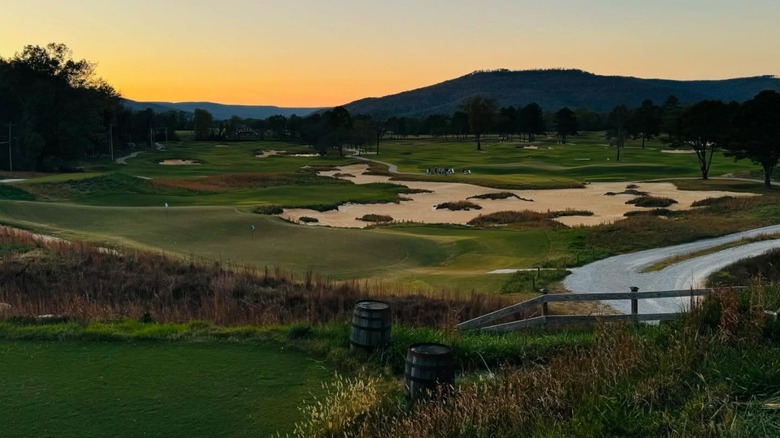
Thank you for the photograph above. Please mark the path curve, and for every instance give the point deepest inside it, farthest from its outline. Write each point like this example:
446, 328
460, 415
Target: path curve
619, 273
123, 160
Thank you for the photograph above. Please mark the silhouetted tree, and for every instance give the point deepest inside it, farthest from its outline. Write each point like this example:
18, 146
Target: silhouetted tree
756, 134
645, 122
565, 124
704, 127
617, 120
58, 105
202, 120
532, 120
481, 112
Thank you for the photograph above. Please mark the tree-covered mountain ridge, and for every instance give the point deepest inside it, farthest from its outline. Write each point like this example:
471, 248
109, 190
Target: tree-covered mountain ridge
557, 88
221, 111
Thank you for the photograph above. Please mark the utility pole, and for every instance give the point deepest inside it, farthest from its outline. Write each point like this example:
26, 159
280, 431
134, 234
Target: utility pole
10, 158
111, 141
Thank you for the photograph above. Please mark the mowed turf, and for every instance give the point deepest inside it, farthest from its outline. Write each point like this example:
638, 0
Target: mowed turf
95, 389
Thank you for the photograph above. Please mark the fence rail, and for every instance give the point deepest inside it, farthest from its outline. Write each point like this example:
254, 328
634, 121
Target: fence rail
483, 322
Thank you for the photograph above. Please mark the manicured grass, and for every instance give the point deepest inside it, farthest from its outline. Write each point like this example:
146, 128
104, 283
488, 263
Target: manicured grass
99, 389
423, 255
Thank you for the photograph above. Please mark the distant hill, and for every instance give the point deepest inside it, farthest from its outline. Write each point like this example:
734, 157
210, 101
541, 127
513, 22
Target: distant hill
220, 111
555, 89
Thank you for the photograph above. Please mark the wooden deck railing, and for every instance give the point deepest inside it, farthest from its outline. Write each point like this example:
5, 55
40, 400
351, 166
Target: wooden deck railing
483, 322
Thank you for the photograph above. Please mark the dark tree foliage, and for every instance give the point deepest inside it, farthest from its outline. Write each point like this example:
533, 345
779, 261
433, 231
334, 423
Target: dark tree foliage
645, 122
481, 112
203, 121
508, 122
756, 134
565, 124
617, 133
532, 120
60, 111
704, 127
459, 124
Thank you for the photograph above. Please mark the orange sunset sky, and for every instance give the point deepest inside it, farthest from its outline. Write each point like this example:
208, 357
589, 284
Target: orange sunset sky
326, 53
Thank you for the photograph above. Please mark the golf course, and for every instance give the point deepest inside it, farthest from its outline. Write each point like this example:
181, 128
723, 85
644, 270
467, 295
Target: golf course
189, 231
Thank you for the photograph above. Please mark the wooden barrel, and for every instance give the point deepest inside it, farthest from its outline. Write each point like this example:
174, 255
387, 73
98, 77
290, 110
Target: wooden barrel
371, 323
427, 367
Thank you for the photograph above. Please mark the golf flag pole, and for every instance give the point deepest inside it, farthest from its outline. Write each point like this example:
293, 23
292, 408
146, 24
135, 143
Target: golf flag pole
252, 227
166, 212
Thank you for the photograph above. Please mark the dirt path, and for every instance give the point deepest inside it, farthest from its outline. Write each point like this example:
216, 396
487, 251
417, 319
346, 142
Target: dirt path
123, 160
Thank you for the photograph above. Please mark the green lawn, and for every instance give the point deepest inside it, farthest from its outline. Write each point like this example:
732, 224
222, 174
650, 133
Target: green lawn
101, 389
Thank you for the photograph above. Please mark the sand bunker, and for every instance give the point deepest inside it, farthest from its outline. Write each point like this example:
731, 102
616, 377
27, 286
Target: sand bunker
283, 153
179, 163
421, 206
678, 151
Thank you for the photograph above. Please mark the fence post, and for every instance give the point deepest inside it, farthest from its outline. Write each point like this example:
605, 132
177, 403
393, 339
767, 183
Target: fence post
634, 304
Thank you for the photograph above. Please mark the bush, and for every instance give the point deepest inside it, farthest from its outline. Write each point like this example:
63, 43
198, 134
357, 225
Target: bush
497, 195
651, 202
375, 218
268, 209
460, 205
308, 220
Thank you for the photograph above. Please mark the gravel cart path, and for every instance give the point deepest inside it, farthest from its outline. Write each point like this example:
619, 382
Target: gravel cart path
619, 273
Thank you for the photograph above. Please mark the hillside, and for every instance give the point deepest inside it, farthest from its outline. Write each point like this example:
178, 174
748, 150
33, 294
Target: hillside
220, 111
554, 89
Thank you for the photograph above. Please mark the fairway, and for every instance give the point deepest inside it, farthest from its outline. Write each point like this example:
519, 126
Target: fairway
95, 389
210, 216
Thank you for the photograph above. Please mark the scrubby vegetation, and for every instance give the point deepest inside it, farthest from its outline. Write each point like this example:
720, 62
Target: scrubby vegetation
533, 280
459, 205
497, 195
712, 374
526, 218
86, 283
268, 210
652, 202
375, 218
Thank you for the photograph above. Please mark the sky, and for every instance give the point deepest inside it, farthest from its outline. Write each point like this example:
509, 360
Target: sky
316, 53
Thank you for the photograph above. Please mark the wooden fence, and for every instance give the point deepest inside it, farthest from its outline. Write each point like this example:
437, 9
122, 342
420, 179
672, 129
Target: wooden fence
483, 322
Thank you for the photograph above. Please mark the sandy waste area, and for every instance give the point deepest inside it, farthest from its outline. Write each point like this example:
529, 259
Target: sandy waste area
421, 207
179, 163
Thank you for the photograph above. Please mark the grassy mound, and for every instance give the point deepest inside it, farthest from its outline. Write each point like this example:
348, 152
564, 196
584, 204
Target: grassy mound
497, 195
526, 218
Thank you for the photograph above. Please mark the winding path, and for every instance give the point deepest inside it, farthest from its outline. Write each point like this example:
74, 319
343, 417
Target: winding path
123, 160
619, 273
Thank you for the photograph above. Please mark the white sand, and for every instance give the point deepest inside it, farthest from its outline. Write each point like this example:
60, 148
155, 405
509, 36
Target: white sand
179, 163
421, 207
678, 151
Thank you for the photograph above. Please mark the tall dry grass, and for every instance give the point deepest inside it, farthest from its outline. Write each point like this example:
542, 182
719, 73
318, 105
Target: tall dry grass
86, 282
667, 382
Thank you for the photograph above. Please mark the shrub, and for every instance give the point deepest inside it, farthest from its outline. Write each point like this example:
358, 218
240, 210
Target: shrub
460, 205
651, 202
268, 209
308, 220
375, 218
665, 212
497, 195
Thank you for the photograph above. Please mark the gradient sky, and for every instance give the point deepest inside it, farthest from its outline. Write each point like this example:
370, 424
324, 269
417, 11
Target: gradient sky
330, 52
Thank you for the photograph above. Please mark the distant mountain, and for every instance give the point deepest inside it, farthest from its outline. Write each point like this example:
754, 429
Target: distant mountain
220, 111
555, 89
